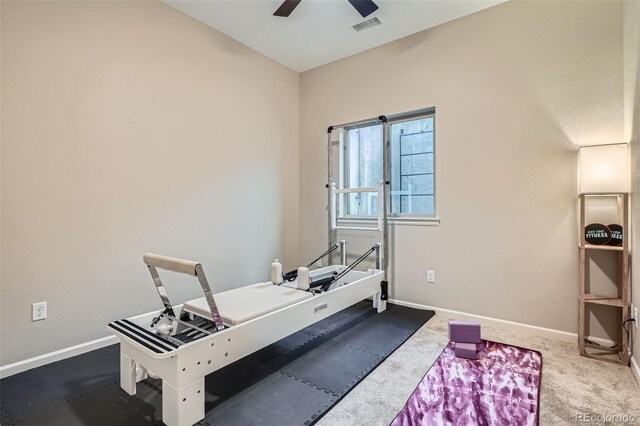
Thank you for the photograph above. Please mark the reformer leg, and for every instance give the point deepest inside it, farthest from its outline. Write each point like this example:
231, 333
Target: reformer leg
382, 305
130, 374
183, 406
127, 374
378, 303
380, 298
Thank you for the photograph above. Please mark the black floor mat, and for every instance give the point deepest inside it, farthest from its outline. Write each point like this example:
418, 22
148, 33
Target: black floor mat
294, 381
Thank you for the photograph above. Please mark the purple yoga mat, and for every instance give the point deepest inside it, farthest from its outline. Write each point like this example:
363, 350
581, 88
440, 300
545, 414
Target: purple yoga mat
500, 388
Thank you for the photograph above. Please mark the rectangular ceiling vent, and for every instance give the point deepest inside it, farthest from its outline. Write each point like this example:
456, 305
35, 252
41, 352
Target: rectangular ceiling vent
365, 25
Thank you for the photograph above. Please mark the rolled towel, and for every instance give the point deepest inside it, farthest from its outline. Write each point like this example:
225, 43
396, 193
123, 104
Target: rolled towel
303, 278
276, 272
164, 329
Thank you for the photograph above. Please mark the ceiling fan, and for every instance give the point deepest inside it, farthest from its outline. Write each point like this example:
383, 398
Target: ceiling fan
364, 7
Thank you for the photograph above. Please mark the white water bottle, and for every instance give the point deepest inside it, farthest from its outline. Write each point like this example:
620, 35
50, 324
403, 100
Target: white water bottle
276, 272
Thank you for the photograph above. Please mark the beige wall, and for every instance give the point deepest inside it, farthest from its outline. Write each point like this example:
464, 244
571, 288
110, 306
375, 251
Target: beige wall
632, 129
517, 89
130, 127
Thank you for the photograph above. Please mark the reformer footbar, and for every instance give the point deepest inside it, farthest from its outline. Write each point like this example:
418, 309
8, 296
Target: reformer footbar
154, 261
168, 337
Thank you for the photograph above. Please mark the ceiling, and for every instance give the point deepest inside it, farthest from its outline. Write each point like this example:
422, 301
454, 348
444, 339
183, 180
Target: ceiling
319, 31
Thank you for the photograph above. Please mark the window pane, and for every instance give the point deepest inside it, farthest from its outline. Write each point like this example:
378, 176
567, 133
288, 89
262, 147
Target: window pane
347, 205
364, 153
417, 185
417, 142
416, 164
417, 204
412, 166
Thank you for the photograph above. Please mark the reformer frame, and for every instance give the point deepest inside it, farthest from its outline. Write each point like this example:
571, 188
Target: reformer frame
182, 366
192, 347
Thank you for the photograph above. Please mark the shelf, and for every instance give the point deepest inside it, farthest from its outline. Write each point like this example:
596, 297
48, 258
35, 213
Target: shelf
602, 247
617, 358
603, 194
601, 348
603, 300
620, 299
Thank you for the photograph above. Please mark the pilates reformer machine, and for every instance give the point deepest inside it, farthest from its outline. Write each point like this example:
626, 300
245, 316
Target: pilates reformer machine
181, 344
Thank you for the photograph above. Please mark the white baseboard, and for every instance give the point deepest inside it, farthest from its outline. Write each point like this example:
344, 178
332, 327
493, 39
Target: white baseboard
635, 368
532, 330
564, 336
37, 361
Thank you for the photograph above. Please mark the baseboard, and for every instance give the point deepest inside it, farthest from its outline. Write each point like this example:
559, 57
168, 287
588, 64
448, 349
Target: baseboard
28, 364
635, 368
533, 330
564, 336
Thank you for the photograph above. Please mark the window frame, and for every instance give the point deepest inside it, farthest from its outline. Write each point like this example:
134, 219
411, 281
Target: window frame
404, 219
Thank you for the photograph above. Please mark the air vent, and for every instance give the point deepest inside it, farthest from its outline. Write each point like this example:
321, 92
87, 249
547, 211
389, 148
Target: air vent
365, 25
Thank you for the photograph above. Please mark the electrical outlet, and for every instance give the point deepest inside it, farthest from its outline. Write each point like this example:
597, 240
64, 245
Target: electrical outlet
431, 276
39, 311
635, 315
319, 263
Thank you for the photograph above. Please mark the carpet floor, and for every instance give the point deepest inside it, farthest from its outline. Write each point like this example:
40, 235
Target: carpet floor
571, 384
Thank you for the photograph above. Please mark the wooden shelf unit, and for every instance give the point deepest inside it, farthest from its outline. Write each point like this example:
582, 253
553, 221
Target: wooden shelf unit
619, 354
610, 248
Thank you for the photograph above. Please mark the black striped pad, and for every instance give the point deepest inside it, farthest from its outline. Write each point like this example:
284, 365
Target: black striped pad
143, 336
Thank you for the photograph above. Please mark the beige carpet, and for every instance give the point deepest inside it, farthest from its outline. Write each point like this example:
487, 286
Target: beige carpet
571, 384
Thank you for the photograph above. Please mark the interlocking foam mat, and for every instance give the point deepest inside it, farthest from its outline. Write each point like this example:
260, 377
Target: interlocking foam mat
294, 381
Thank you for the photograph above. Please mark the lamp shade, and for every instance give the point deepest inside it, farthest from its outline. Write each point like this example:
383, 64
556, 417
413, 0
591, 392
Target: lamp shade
603, 168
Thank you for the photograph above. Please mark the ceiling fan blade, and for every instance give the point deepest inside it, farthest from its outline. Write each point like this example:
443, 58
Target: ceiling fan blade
286, 8
364, 7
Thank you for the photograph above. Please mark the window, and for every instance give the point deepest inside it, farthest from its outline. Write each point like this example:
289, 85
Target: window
411, 166
412, 173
